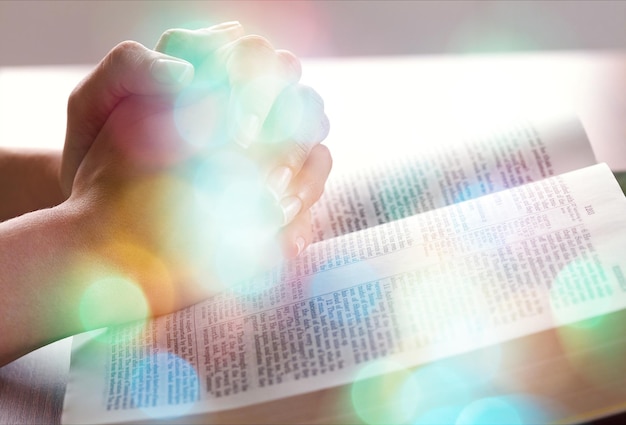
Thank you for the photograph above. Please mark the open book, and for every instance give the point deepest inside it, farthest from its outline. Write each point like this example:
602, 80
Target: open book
460, 248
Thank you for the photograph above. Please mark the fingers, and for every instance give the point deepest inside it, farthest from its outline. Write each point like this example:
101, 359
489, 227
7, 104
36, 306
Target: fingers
303, 189
265, 102
129, 68
307, 187
308, 184
297, 236
290, 62
299, 124
297, 121
257, 74
254, 73
198, 47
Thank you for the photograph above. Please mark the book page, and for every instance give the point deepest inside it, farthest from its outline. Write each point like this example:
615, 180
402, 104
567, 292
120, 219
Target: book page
493, 158
441, 283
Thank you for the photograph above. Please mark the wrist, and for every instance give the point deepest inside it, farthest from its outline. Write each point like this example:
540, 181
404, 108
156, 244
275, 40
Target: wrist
38, 253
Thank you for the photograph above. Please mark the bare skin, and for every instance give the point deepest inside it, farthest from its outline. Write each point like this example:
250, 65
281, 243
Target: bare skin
121, 204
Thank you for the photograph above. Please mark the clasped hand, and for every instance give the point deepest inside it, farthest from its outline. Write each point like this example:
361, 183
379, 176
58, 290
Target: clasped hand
200, 168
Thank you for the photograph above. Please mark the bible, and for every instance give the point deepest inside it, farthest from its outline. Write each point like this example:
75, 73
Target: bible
480, 272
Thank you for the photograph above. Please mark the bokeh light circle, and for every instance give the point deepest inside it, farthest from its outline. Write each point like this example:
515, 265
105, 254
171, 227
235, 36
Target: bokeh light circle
487, 411
110, 298
164, 398
379, 391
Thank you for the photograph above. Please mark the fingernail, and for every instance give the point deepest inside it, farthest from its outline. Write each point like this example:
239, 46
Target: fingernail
170, 71
249, 127
291, 206
278, 180
300, 242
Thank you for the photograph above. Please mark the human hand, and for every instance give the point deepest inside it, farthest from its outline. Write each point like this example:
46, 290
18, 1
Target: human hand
138, 236
128, 69
195, 208
181, 227
279, 122
163, 179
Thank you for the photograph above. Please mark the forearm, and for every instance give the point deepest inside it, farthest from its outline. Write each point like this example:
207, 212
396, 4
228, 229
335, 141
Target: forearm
60, 277
38, 255
74, 268
29, 181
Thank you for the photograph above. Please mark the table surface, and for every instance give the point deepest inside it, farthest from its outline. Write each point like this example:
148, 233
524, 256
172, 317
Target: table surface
593, 84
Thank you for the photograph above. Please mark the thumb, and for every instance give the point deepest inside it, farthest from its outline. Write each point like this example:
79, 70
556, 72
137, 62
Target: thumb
128, 69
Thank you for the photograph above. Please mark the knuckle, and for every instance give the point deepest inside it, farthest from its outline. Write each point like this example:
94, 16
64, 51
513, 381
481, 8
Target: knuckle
255, 42
298, 153
75, 102
312, 98
311, 191
321, 160
125, 48
291, 64
172, 40
250, 56
124, 54
169, 34
314, 126
324, 154
252, 52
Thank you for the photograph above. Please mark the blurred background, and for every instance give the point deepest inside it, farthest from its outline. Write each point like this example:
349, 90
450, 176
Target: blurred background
81, 32
579, 42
